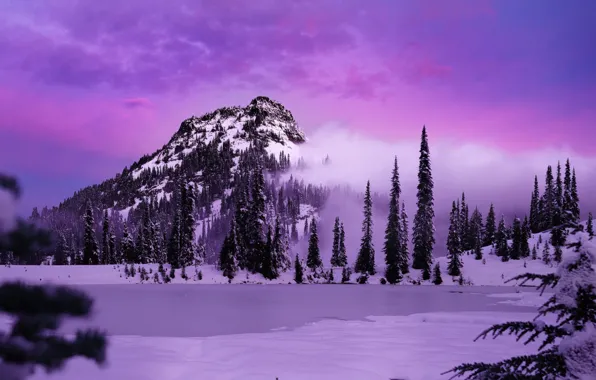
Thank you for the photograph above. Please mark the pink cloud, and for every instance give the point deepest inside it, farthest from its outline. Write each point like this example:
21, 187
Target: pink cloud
92, 123
137, 102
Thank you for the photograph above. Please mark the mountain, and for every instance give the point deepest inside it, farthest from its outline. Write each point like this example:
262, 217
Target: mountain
213, 162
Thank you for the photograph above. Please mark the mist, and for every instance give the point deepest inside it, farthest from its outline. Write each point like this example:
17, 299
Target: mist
486, 175
7, 210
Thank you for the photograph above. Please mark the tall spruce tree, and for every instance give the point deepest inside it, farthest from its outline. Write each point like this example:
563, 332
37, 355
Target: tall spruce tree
475, 229
62, 250
268, 265
365, 262
501, 245
313, 260
548, 209
464, 220
257, 220
437, 279
335, 249
567, 197
516, 244
187, 229
491, 226
526, 233
227, 257
453, 244
343, 257
423, 236
127, 246
90, 248
575, 212
590, 225
105, 246
559, 190
391, 246
535, 212
404, 239
298, 271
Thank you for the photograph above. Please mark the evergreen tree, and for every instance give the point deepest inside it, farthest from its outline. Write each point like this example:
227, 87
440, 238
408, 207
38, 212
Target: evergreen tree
62, 251
559, 188
105, 246
174, 244
298, 271
280, 248
423, 234
535, 212
546, 257
403, 234
268, 268
391, 247
475, 229
437, 279
567, 197
115, 257
227, 256
306, 229
590, 225
453, 244
574, 199
294, 233
516, 244
558, 255
568, 348
548, 209
501, 246
90, 248
128, 249
464, 221
313, 260
187, 227
534, 253
343, 257
365, 262
526, 234
335, 249
491, 227
478, 250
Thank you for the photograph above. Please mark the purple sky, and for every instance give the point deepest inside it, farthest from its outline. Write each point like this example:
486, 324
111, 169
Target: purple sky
87, 87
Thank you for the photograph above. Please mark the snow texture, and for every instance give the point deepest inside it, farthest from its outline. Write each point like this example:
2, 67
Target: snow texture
416, 347
579, 351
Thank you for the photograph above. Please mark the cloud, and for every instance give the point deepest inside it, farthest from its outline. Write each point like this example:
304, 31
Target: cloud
486, 175
137, 103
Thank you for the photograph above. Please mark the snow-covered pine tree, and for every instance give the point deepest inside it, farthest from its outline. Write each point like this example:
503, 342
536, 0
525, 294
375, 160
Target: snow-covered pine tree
187, 228
437, 279
115, 255
404, 237
227, 255
534, 253
453, 244
313, 260
335, 247
567, 197
173, 251
464, 220
423, 236
62, 250
559, 191
127, 244
298, 271
475, 229
478, 250
516, 243
501, 245
391, 246
548, 209
526, 234
546, 257
268, 269
491, 226
105, 242
294, 232
343, 257
280, 248
590, 225
568, 348
365, 262
575, 212
535, 212
306, 229
90, 248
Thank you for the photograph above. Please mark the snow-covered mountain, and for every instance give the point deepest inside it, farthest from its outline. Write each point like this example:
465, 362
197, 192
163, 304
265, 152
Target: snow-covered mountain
206, 153
263, 119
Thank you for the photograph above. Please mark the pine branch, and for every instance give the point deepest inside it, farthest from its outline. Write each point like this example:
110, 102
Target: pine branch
521, 329
547, 280
527, 367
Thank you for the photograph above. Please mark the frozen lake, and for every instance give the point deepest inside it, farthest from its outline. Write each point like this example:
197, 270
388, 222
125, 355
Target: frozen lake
209, 310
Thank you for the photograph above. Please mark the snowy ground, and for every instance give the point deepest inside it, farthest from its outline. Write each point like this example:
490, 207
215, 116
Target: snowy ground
415, 347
